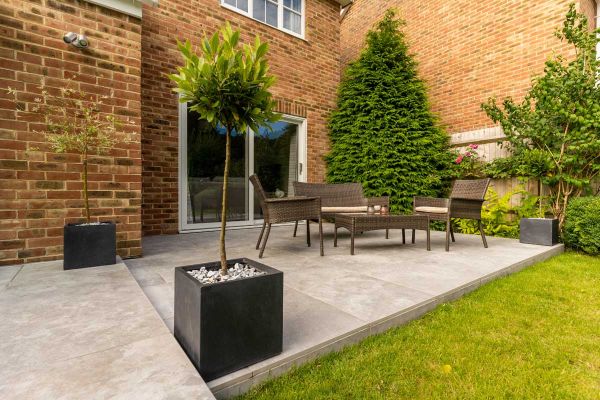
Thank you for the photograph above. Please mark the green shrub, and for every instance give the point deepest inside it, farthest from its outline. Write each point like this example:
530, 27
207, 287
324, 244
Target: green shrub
582, 224
383, 133
499, 217
552, 133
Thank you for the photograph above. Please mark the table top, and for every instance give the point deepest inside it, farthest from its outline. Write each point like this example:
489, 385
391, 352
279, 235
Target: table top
378, 216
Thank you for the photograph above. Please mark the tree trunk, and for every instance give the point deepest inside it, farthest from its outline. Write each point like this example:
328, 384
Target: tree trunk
224, 202
86, 200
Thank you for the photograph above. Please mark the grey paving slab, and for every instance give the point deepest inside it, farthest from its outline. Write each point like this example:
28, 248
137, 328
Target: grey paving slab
154, 368
7, 274
87, 333
336, 300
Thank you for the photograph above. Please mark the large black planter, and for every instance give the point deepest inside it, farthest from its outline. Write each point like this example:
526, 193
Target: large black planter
89, 245
542, 231
229, 325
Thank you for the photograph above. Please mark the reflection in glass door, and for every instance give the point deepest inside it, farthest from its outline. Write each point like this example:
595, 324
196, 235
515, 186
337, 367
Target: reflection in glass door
205, 165
276, 160
276, 155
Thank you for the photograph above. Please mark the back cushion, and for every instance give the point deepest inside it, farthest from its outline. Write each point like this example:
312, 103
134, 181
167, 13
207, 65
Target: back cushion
334, 194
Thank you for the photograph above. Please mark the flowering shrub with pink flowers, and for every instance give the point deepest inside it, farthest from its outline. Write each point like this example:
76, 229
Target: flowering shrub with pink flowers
469, 164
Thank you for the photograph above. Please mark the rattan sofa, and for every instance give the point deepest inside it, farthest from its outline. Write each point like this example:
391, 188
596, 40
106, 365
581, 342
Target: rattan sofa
338, 198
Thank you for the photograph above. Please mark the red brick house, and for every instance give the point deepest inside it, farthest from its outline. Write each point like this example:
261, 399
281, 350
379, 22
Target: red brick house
167, 179
468, 51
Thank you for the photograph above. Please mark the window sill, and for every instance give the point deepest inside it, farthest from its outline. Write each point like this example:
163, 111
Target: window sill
247, 15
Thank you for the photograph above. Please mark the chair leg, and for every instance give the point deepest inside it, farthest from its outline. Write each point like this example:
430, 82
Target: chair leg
295, 228
448, 235
262, 249
352, 242
308, 232
335, 228
321, 236
452, 233
428, 239
261, 234
387, 233
482, 234
403, 236
413, 236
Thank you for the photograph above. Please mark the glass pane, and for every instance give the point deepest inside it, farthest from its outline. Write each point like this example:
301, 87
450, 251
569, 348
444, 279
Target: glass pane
206, 161
292, 21
231, 2
276, 160
271, 14
242, 5
258, 10
297, 5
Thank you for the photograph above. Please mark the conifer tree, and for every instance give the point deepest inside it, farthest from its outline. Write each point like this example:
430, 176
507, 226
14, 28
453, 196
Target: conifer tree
382, 132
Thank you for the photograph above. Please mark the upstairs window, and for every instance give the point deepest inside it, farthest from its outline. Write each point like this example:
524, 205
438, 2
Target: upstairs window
285, 15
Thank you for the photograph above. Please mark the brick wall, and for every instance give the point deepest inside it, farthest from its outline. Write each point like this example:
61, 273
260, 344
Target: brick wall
307, 73
40, 190
588, 7
467, 50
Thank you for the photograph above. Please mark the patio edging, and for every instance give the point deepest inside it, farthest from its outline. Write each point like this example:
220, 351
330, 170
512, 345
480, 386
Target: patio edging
245, 381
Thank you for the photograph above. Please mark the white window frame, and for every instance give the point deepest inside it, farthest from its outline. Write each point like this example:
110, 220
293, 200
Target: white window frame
184, 225
279, 26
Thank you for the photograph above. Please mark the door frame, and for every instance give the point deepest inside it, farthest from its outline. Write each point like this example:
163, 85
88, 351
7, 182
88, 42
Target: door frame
186, 227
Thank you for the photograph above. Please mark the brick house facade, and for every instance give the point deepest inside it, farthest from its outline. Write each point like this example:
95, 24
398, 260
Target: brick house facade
39, 189
468, 51
307, 72
136, 184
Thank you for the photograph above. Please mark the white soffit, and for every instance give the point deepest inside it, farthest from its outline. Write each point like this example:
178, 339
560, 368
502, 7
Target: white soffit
129, 7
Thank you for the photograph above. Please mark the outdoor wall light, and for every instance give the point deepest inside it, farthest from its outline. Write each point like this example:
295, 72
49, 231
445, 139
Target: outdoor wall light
79, 41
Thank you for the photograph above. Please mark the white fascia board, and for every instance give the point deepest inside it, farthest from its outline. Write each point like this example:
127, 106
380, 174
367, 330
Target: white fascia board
128, 7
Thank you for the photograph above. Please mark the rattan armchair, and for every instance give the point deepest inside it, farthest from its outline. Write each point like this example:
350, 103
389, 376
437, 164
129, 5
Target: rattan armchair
286, 209
465, 201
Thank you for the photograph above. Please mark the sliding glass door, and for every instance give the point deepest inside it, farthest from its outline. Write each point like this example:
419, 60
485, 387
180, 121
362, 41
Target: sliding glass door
277, 155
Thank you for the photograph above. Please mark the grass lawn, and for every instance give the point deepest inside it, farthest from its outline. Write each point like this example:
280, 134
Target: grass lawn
532, 335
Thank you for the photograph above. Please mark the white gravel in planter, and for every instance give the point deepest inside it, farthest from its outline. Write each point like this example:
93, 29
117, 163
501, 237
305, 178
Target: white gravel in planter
238, 271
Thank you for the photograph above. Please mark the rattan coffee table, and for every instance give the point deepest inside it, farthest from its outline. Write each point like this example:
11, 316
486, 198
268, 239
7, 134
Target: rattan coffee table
361, 222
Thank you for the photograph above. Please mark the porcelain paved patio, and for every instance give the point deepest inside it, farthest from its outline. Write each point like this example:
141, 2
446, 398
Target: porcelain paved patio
338, 299
87, 334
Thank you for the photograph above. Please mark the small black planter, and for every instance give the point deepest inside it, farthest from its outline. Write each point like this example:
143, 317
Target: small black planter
542, 231
226, 326
89, 245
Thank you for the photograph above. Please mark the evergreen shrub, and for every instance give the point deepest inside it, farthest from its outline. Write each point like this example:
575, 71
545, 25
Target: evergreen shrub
582, 224
382, 132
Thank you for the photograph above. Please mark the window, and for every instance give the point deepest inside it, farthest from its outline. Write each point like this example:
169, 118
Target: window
286, 15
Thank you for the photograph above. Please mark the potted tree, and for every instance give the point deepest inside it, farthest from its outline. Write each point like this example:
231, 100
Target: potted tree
228, 313
553, 133
75, 122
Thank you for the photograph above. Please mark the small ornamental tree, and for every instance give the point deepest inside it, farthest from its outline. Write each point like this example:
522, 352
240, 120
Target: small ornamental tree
75, 122
228, 85
382, 132
554, 133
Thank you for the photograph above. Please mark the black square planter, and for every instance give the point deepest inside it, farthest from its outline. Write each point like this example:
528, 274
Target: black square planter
89, 245
226, 326
542, 231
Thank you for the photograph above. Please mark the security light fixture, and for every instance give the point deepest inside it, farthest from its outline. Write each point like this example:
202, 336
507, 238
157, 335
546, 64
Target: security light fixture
77, 40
